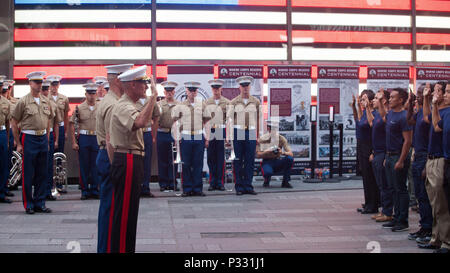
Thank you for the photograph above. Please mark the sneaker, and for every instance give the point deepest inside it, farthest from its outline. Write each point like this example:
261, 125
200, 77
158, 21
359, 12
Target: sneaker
423, 240
373, 217
286, 185
384, 218
400, 227
390, 224
417, 234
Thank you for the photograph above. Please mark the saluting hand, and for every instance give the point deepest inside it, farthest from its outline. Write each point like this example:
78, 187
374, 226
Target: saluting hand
427, 90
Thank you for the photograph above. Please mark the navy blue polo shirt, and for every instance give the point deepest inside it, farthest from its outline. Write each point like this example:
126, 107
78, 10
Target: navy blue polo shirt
421, 133
435, 143
396, 124
358, 134
378, 133
444, 124
365, 131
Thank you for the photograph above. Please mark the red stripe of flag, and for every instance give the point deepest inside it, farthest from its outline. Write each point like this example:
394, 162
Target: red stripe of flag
357, 37
82, 34
433, 38
262, 3
355, 4
435, 5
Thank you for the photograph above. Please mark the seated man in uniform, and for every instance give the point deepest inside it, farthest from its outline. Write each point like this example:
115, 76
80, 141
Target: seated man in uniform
277, 156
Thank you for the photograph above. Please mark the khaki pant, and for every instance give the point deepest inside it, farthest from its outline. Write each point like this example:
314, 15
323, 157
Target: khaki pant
435, 189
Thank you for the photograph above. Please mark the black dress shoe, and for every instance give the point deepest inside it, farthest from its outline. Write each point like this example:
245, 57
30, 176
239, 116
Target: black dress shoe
50, 198
94, 196
286, 185
211, 188
359, 210
239, 193
369, 211
427, 246
266, 185
5, 200
198, 194
147, 195
251, 192
221, 188
84, 197
63, 191
186, 194
43, 210
29, 211
9, 194
162, 189
442, 250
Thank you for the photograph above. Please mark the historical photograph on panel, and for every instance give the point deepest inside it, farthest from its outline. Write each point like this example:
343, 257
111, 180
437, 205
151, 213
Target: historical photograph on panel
324, 123
299, 143
325, 151
286, 124
349, 151
324, 139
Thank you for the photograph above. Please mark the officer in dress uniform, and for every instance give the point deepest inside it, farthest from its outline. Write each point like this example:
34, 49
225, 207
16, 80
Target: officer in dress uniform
244, 112
164, 138
63, 108
127, 169
192, 114
33, 111
12, 145
151, 127
53, 138
86, 145
216, 147
101, 91
105, 154
277, 156
5, 112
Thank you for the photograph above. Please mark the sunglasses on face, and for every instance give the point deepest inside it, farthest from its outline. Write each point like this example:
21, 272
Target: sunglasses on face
192, 89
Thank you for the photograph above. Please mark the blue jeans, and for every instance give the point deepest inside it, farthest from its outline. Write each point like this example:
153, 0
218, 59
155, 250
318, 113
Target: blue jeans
398, 179
425, 211
386, 189
282, 165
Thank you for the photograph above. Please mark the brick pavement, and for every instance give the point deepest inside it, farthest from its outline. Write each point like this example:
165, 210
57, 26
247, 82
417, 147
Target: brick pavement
309, 218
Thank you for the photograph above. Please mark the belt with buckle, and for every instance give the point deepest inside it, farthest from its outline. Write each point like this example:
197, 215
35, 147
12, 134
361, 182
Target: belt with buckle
3, 127
244, 127
218, 126
51, 129
87, 132
35, 132
164, 130
147, 129
198, 132
61, 123
102, 145
129, 151
434, 157
393, 153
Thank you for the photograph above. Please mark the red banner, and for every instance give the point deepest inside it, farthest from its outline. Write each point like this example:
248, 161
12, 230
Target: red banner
328, 72
328, 97
395, 73
433, 73
289, 72
232, 72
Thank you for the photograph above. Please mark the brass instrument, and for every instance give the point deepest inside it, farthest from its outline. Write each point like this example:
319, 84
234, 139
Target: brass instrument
15, 174
59, 173
229, 149
176, 149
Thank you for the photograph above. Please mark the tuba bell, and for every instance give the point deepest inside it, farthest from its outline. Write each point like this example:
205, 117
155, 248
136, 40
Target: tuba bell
59, 173
15, 174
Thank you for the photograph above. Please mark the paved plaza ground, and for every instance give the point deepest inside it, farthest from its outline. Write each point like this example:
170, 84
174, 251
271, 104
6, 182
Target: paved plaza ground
313, 218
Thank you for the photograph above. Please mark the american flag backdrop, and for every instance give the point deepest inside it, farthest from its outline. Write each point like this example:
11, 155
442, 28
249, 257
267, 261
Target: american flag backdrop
76, 38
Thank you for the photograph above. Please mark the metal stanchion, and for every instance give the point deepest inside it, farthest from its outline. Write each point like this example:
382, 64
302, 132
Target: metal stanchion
341, 152
331, 125
313, 120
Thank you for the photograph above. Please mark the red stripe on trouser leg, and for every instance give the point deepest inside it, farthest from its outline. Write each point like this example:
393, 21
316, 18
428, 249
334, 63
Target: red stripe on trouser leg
126, 203
24, 196
111, 216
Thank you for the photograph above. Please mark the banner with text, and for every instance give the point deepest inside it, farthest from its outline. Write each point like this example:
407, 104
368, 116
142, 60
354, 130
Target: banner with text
387, 78
290, 92
335, 86
431, 75
230, 73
